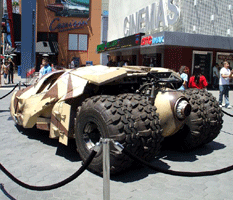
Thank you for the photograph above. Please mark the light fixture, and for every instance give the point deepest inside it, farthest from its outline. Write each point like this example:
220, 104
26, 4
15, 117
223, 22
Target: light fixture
194, 28
212, 18
229, 7
195, 3
228, 32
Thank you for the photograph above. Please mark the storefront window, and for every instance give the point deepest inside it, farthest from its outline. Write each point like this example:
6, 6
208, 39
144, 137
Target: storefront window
221, 57
45, 36
78, 42
153, 60
204, 60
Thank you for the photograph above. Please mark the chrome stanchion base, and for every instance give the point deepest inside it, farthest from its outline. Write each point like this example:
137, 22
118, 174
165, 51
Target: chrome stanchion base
106, 169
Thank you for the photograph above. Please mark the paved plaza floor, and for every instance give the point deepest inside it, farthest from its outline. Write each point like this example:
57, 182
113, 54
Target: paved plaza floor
37, 160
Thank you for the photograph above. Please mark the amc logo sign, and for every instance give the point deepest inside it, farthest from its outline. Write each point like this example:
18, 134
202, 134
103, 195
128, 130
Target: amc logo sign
152, 41
146, 41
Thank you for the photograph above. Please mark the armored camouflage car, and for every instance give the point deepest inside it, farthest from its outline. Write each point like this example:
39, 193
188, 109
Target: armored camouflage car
135, 106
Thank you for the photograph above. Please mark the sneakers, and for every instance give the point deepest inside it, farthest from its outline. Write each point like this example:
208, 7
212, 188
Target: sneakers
228, 107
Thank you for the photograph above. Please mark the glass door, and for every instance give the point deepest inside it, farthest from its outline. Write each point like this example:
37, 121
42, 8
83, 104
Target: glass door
204, 60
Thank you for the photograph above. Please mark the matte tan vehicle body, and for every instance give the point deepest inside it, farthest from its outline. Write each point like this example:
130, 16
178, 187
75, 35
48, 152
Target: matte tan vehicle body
46, 103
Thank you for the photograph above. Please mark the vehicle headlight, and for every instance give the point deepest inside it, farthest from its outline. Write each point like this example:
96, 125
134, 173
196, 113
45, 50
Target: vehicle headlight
182, 109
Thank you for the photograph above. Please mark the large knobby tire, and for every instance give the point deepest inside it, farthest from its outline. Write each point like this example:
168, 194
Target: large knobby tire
204, 123
213, 111
146, 123
103, 117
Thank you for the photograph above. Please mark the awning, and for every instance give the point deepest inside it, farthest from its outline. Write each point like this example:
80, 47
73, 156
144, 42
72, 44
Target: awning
132, 41
186, 40
9, 50
45, 47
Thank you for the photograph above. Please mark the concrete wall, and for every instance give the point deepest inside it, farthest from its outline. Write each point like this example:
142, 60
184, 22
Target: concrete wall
209, 17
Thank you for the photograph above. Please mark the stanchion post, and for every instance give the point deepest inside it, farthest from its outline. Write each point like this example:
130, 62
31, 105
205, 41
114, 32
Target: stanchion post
106, 168
19, 85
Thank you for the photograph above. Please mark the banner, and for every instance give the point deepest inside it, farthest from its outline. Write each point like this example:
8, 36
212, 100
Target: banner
70, 8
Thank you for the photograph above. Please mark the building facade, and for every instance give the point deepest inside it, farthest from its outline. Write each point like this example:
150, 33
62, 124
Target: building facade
177, 32
67, 30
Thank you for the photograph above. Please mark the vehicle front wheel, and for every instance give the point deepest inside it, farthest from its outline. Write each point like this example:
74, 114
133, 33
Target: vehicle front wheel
103, 117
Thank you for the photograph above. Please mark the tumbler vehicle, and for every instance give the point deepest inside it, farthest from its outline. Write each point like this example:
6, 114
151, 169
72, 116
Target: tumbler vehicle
134, 105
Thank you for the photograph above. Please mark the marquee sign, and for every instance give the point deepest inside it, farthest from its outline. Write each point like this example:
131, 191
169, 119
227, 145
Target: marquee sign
130, 41
151, 18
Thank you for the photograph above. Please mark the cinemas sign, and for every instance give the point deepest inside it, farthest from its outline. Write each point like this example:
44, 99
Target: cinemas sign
150, 40
152, 17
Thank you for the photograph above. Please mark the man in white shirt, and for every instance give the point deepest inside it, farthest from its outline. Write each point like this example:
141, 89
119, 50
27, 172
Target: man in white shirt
225, 76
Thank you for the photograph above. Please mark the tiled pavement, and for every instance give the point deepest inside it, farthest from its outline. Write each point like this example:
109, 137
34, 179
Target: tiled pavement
37, 160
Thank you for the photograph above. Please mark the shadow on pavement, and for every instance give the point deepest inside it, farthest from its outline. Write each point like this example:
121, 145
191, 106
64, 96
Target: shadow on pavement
140, 172
190, 156
68, 152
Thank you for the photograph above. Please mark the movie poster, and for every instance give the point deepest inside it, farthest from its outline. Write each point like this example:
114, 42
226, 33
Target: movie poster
70, 8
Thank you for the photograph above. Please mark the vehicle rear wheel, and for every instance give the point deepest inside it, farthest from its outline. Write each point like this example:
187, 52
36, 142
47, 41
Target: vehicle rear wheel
103, 117
147, 123
204, 123
213, 114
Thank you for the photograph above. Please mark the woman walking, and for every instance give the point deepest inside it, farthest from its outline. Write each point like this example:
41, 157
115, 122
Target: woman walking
5, 71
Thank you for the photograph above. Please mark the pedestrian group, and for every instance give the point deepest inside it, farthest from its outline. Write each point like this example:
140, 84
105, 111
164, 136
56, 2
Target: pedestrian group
221, 79
7, 70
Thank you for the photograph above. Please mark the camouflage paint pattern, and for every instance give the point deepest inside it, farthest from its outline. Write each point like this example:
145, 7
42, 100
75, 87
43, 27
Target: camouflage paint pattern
44, 104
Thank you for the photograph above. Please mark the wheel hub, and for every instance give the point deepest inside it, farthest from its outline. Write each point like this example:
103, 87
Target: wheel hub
91, 134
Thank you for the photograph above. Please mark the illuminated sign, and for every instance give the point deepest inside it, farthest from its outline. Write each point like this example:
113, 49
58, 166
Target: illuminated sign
108, 46
130, 41
151, 18
55, 25
146, 40
149, 40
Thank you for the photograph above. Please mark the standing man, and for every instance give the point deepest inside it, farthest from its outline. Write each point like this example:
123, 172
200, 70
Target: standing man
11, 70
225, 76
215, 76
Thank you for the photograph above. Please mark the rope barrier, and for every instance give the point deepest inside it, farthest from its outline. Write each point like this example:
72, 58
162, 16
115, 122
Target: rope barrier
9, 92
6, 193
25, 85
227, 113
177, 173
54, 186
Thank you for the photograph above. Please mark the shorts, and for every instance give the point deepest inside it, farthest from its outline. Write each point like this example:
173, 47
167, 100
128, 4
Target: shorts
5, 75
